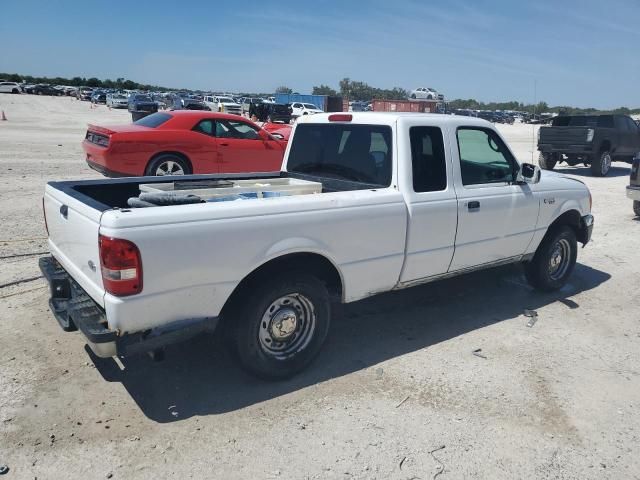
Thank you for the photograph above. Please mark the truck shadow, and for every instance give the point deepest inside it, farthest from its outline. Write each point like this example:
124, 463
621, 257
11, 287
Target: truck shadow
615, 171
200, 377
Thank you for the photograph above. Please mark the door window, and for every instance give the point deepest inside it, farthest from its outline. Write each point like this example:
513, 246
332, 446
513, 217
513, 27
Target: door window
484, 158
428, 160
235, 129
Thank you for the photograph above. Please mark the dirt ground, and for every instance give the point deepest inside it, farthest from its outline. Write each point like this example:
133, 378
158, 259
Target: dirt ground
397, 392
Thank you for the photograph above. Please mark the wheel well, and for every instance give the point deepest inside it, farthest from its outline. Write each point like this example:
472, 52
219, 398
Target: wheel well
605, 145
177, 154
571, 218
311, 263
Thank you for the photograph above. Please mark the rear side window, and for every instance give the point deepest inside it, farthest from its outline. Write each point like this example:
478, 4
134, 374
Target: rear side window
154, 120
427, 158
359, 153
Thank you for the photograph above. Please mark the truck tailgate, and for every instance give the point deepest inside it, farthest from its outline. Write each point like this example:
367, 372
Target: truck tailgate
73, 239
563, 135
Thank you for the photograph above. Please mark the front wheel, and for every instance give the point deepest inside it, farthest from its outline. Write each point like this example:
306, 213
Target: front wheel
636, 207
282, 326
554, 260
547, 160
601, 164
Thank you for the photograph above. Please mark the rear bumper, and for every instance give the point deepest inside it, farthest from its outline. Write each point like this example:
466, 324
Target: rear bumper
633, 192
105, 171
74, 310
567, 149
110, 164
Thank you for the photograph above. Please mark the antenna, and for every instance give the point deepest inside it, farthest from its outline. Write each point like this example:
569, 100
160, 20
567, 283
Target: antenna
533, 125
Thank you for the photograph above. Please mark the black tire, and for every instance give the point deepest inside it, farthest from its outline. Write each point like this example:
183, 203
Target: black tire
173, 162
601, 164
254, 334
15, 90
413, 95
547, 160
636, 207
540, 272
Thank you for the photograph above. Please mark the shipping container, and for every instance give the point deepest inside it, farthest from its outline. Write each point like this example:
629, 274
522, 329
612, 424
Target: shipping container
323, 102
420, 106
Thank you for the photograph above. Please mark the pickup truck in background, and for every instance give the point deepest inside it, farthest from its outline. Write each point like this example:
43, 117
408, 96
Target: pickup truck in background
595, 140
365, 203
222, 104
633, 190
140, 105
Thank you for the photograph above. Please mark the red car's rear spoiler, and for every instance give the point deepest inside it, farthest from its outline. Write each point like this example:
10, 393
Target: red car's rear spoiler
97, 129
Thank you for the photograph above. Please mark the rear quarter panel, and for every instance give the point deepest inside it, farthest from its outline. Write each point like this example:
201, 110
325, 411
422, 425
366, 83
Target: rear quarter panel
134, 150
194, 256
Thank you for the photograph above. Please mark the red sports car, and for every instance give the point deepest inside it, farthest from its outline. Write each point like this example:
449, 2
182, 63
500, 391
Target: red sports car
183, 142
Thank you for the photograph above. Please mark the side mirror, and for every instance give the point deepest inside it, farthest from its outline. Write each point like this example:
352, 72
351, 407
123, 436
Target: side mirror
528, 173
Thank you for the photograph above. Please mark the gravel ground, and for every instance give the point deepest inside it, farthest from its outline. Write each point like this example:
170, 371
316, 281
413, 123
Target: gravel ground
397, 393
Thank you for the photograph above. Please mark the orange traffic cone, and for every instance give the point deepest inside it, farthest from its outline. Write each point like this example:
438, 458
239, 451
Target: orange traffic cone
4, 117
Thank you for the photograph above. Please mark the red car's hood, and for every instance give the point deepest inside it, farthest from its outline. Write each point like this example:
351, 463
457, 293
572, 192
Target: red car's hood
279, 128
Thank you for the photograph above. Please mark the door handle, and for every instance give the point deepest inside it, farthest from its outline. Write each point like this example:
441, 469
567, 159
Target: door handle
473, 206
224, 144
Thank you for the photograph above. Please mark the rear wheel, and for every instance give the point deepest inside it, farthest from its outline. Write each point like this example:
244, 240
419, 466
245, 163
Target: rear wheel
167, 164
554, 260
282, 326
601, 164
636, 207
547, 160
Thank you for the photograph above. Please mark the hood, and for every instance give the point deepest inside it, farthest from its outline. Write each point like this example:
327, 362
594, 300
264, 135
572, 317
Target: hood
550, 180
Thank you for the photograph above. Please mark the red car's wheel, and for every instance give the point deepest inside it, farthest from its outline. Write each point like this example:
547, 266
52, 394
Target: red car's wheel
167, 164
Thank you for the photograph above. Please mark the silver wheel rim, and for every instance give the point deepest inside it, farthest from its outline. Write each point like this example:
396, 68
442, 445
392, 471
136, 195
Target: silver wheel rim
287, 326
559, 261
169, 167
606, 163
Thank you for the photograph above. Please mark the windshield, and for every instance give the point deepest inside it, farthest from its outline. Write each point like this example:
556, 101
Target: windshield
360, 153
310, 105
143, 98
225, 100
154, 120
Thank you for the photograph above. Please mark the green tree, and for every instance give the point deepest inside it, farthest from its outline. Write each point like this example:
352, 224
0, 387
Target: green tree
93, 82
284, 89
324, 90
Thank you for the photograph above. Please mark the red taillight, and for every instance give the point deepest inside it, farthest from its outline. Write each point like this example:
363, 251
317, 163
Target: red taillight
340, 117
121, 266
44, 214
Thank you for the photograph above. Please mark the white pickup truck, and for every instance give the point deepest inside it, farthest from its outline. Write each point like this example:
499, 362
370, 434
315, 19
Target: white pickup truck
399, 200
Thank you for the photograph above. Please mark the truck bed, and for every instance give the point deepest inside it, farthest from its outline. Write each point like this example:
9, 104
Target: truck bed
107, 194
193, 256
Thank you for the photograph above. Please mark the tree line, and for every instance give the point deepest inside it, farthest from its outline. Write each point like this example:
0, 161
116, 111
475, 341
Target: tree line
118, 83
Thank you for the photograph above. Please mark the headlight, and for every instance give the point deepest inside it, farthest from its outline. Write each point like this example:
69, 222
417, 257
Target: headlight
590, 133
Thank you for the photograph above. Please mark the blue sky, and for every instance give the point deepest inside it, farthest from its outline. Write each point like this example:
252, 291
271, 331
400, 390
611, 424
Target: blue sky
578, 52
